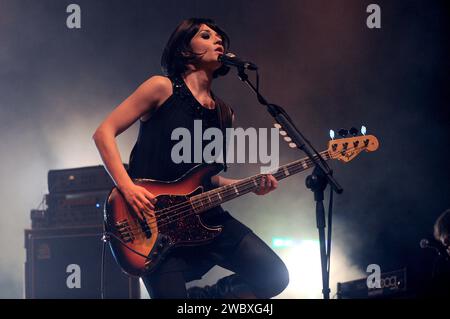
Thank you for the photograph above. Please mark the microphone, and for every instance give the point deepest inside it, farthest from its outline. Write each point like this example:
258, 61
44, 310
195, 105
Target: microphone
425, 243
232, 60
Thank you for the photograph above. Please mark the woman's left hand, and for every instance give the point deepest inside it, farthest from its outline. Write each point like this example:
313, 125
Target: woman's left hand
268, 184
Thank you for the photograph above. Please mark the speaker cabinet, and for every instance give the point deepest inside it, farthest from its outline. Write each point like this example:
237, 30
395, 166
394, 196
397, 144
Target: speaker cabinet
66, 263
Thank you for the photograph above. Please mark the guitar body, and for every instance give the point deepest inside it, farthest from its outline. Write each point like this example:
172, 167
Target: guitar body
140, 242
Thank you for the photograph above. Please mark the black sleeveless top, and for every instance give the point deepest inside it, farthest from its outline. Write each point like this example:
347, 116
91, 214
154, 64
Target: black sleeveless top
151, 158
151, 155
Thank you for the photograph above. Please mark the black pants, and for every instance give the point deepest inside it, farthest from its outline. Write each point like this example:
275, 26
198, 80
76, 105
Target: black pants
258, 271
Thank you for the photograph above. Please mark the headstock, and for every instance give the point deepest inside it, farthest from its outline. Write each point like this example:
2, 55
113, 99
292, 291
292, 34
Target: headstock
347, 148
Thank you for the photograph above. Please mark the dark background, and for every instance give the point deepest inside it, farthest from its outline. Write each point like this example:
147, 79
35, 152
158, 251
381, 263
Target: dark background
317, 58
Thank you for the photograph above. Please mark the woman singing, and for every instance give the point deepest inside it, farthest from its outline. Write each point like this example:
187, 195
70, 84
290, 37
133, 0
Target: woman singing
162, 104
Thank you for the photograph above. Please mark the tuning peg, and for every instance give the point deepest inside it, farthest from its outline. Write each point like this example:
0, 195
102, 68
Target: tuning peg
332, 134
353, 131
363, 130
287, 139
343, 132
292, 145
277, 125
283, 133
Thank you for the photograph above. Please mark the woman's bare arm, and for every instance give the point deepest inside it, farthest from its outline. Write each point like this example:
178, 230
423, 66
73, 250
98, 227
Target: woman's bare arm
147, 97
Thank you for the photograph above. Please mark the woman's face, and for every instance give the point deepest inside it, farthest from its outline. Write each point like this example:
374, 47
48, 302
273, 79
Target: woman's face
209, 44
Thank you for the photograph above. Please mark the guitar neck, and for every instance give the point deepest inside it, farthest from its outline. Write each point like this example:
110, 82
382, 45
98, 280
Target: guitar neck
217, 196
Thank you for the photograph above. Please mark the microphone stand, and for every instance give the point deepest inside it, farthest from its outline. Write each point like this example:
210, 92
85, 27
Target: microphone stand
317, 181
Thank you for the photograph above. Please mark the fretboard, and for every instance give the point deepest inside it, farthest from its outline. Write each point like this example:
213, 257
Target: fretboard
217, 196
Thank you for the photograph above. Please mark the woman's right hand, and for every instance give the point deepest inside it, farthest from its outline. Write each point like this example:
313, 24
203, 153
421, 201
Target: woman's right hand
140, 199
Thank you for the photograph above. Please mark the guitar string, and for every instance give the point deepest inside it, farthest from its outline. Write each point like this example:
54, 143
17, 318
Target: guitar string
221, 189
177, 216
231, 194
326, 155
227, 194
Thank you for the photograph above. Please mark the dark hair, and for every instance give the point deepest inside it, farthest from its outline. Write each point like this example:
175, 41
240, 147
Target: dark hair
442, 225
173, 62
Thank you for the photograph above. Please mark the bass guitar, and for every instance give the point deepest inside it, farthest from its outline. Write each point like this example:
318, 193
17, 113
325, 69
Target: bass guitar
139, 242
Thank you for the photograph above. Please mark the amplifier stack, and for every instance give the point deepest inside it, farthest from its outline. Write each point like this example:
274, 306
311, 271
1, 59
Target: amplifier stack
64, 247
